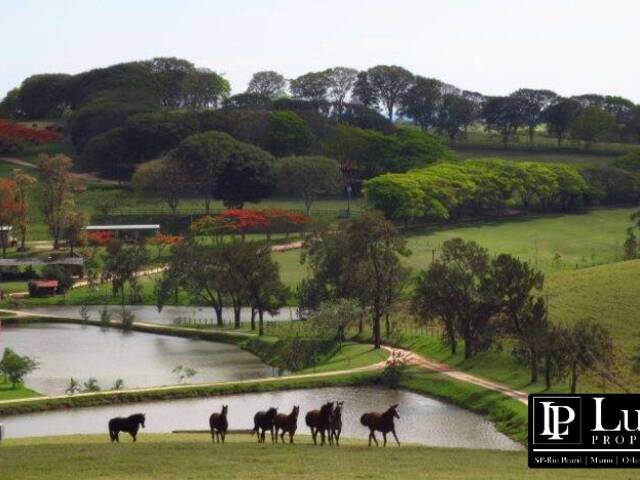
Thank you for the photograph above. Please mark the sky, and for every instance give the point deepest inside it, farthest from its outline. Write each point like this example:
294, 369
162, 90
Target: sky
490, 46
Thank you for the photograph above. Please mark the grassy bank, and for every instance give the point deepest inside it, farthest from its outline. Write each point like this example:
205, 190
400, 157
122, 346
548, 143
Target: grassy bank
185, 391
8, 392
169, 456
606, 294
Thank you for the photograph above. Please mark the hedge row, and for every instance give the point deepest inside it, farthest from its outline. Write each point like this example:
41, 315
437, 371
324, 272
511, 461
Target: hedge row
489, 186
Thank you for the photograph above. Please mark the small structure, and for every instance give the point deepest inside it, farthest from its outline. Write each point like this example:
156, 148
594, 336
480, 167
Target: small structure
43, 288
126, 232
5, 235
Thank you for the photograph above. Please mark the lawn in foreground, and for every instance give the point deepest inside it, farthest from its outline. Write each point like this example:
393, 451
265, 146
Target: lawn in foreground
169, 456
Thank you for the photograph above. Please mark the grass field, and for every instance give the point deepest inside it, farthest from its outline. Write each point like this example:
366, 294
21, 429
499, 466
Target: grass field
583, 239
607, 294
169, 456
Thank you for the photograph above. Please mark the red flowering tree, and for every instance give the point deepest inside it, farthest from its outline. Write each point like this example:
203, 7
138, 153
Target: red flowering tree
242, 220
13, 136
163, 241
279, 220
10, 209
101, 238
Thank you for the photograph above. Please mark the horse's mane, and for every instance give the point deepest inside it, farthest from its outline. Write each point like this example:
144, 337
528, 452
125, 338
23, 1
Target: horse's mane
137, 416
327, 408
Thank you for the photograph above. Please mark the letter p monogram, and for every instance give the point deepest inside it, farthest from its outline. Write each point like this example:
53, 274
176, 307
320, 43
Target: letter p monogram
553, 421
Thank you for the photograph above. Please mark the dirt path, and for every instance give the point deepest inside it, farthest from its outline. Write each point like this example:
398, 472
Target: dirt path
434, 366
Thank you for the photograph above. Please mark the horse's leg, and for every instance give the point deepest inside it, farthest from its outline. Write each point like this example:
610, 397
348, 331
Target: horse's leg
338, 438
373, 435
281, 435
224, 434
384, 435
134, 437
291, 434
370, 433
313, 435
322, 436
117, 436
395, 436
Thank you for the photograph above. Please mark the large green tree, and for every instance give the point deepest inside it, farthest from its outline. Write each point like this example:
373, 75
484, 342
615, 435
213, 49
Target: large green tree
268, 83
309, 177
389, 84
224, 168
591, 125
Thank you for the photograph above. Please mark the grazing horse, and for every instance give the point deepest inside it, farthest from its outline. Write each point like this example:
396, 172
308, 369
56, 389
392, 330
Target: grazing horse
264, 421
318, 421
287, 423
335, 424
130, 425
382, 422
219, 424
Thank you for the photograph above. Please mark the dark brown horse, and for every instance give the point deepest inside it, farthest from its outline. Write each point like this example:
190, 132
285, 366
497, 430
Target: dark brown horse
129, 424
382, 422
263, 421
318, 421
335, 424
219, 424
287, 423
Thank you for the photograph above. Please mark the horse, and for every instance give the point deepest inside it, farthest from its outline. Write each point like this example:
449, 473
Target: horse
219, 424
264, 421
129, 424
318, 421
335, 424
287, 423
382, 422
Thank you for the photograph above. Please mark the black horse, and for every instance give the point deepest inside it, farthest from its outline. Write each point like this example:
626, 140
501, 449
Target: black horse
263, 421
335, 424
130, 425
219, 424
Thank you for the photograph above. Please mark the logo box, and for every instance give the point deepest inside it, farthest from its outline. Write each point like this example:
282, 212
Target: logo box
584, 431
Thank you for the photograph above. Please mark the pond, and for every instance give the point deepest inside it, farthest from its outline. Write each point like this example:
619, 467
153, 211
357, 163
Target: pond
140, 359
422, 419
168, 316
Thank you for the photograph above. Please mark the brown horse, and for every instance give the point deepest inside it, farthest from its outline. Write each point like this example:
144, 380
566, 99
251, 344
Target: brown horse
318, 421
382, 422
263, 421
287, 423
335, 424
219, 424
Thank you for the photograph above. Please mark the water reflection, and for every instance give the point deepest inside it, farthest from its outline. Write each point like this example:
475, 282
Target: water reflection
422, 419
140, 359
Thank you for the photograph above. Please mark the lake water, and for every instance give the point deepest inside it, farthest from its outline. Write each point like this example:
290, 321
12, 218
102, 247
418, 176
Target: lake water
422, 419
168, 315
140, 359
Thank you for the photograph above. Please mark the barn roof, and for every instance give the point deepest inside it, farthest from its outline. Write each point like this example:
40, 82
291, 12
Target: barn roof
93, 228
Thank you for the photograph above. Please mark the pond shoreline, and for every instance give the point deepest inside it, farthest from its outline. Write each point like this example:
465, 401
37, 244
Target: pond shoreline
509, 415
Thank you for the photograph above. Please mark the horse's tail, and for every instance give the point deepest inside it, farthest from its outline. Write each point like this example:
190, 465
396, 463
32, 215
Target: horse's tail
308, 419
255, 426
364, 420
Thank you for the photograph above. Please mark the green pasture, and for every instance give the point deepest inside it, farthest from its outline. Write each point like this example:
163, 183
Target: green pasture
169, 456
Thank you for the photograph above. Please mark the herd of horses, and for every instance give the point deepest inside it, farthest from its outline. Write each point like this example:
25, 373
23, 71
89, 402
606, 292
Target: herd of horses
325, 422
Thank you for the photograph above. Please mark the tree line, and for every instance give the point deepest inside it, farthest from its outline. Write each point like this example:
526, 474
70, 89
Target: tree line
340, 92
490, 186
